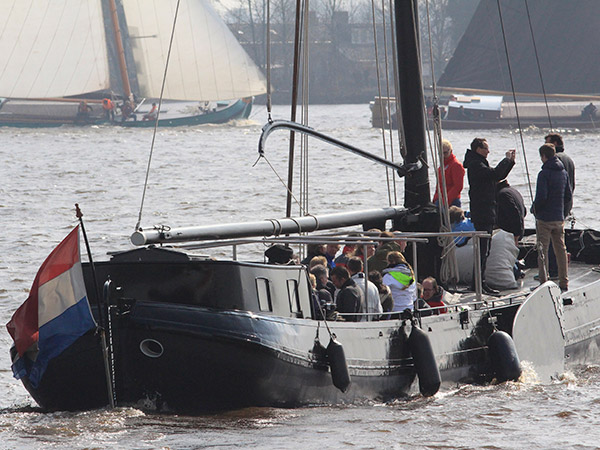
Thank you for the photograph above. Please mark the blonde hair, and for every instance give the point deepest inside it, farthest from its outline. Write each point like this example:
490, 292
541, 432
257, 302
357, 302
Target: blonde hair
446, 144
316, 261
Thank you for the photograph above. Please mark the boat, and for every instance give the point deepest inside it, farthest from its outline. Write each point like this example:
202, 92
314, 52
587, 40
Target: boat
479, 73
181, 331
45, 73
480, 110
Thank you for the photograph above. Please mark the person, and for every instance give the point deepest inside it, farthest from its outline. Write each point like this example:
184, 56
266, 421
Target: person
589, 112
379, 260
330, 252
511, 210
83, 111
152, 114
360, 249
347, 252
385, 295
433, 294
458, 222
552, 191
313, 250
355, 268
322, 275
482, 194
454, 173
321, 298
350, 298
557, 140
400, 278
109, 109
127, 111
320, 259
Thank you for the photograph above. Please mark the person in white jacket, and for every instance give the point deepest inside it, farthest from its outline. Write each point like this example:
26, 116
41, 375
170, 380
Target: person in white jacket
355, 267
400, 278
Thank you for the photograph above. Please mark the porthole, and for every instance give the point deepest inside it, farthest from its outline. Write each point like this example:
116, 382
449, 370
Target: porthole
151, 348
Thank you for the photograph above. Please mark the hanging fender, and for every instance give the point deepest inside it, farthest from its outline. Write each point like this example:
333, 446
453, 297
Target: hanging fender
337, 363
424, 360
504, 357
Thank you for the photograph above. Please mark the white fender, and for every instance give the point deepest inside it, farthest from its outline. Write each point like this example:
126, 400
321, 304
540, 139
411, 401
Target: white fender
538, 331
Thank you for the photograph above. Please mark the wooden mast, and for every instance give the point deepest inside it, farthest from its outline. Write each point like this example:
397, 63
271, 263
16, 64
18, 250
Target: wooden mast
120, 50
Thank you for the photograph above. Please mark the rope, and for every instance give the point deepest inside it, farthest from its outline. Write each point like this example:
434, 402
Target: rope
268, 61
387, 173
387, 93
512, 85
537, 60
162, 90
282, 182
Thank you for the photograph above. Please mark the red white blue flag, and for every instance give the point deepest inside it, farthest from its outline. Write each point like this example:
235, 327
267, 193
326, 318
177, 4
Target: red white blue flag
55, 314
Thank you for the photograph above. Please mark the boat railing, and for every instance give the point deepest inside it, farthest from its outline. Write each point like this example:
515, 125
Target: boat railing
359, 238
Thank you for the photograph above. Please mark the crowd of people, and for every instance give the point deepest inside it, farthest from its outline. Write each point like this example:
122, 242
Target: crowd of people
337, 275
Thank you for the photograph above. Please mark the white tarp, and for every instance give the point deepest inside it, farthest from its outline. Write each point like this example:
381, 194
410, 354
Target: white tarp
206, 63
52, 48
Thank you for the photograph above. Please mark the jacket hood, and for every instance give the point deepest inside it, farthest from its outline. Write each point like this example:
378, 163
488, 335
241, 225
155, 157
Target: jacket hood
553, 164
398, 268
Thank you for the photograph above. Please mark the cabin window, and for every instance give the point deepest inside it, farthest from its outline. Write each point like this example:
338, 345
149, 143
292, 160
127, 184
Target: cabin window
264, 294
293, 297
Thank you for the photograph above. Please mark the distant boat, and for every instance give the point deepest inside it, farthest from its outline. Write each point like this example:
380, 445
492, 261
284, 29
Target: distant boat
484, 112
54, 55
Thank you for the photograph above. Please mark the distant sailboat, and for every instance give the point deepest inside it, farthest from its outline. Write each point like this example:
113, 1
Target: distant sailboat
53, 54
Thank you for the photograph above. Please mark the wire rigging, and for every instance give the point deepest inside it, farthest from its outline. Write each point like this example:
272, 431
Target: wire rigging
537, 60
512, 85
162, 90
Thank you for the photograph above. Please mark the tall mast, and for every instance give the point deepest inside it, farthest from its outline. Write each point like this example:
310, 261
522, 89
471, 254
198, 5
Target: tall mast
416, 184
120, 50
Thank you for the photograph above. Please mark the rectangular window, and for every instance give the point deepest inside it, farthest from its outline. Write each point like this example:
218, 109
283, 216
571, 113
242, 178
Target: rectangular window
293, 298
264, 294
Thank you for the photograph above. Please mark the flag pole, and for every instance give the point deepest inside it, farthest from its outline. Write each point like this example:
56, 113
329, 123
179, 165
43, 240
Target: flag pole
103, 311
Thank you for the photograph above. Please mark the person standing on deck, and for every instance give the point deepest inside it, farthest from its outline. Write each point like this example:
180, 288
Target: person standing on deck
482, 194
454, 173
551, 193
557, 140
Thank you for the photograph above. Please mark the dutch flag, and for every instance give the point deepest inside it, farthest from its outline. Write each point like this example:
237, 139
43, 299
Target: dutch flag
55, 314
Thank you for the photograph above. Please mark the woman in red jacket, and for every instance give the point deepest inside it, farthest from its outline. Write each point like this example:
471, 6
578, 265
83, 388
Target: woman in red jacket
454, 173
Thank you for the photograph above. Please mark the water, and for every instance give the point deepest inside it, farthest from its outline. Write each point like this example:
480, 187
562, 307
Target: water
205, 175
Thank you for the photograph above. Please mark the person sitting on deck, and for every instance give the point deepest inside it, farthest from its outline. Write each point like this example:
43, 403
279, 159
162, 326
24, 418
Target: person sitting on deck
152, 114
379, 260
350, 298
458, 222
385, 295
434, 295
83, 112
127, 111
323, 282
589, 112
400, 278
371, 293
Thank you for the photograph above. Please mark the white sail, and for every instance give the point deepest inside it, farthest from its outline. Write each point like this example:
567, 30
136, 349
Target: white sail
207, 62
52, 48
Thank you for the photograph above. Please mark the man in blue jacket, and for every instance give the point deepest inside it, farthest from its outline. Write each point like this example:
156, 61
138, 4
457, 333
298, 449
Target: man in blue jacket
551, 194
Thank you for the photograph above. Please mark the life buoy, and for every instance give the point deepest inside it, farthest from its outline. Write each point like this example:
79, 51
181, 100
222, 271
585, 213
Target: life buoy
424, 360
337, 363
504, 357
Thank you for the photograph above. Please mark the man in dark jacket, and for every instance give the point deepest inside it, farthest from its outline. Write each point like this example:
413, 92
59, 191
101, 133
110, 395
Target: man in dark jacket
511, 210
551, 194
557, 140
482, 193
350, 298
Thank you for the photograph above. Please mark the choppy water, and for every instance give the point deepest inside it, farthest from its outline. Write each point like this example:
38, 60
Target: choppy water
204, 175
